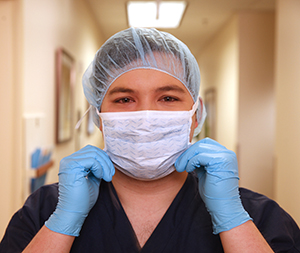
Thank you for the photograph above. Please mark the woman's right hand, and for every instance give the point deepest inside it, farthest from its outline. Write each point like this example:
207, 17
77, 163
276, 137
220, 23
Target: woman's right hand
79, 180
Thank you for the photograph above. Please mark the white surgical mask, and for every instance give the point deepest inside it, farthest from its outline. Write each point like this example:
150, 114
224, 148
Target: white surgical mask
145, 144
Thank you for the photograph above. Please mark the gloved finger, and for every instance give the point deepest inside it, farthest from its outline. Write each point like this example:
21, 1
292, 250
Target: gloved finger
82, 166
107, 168
201, 173
219, 170
103, 167
196, 149
203, 160
212, 142
210, 149
87, 151
88, 159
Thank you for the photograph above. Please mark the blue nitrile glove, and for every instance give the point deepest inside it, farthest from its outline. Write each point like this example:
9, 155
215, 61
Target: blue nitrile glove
79, 180
217, 172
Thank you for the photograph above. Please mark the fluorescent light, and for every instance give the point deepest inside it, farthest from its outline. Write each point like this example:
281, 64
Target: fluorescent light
159, 14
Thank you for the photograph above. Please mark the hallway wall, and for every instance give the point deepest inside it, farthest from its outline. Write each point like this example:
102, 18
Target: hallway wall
10, 102
33, 31
287, 76
218, 64
239, 64
256, 107
263, 80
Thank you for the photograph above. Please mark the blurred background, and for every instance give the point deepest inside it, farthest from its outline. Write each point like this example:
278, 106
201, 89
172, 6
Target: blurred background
249, 57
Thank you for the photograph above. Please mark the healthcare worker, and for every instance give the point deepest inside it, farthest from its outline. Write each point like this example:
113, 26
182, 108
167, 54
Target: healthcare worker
149, 190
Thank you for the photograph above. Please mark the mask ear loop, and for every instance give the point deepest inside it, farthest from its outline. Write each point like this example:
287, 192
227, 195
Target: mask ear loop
80, 121
195, 107
202, 115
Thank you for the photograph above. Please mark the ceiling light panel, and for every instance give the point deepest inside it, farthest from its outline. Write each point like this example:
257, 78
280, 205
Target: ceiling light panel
159, 14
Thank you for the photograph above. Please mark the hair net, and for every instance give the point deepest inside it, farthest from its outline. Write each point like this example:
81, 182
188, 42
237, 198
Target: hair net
141, 48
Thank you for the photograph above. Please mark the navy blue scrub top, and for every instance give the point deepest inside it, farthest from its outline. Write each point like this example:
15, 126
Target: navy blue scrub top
185, 227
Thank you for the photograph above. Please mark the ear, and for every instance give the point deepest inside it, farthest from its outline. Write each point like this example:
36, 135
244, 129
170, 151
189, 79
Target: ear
100, 122
201, 113
201, 108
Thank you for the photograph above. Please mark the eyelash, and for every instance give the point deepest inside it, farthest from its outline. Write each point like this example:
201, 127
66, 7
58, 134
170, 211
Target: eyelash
122, 100
169, 99
126, 100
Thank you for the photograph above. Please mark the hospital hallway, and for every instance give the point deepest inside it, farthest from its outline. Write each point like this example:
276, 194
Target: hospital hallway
249, 57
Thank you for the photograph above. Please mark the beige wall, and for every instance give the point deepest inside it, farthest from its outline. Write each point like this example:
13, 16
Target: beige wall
256, 107
287, 187
33, 30
11, 110
263, 88
47, 26
238, 62
219, 70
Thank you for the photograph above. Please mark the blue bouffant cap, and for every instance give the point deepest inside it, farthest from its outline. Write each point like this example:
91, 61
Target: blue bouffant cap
141, 48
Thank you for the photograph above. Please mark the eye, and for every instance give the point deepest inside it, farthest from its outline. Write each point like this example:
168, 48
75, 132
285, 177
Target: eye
169, 99
123, 100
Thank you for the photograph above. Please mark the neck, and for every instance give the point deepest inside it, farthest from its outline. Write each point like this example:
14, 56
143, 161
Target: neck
161, 190
146, 202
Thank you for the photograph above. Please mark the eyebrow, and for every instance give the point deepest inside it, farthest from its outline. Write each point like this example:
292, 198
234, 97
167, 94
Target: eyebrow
170, 88
160, 89
120, 90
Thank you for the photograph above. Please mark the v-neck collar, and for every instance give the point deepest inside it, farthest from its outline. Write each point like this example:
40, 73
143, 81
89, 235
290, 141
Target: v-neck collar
162, 234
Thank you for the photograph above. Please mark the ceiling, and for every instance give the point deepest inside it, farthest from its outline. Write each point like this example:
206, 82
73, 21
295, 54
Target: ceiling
202, 18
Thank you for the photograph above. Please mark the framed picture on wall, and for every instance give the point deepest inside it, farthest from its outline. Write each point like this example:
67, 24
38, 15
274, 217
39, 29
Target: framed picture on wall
65, 78
210, 105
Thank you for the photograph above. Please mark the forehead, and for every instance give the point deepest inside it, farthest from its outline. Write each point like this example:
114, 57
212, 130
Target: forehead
147, 80
155, 60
